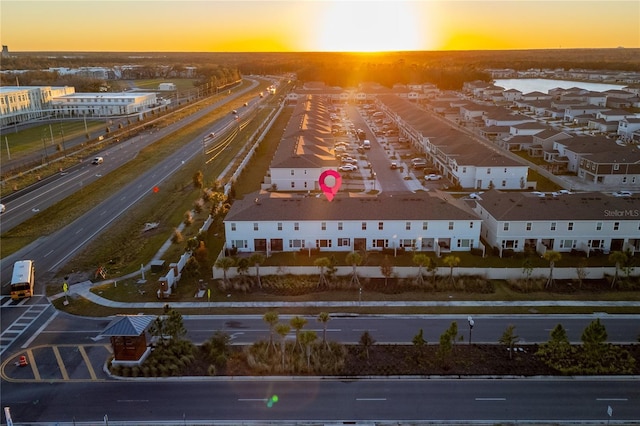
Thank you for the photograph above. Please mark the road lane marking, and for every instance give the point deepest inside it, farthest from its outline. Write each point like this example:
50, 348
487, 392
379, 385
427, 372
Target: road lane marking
253, 399
63, 370
371, 399
611, 399
491, 399
132, 400
32, 363
87, 361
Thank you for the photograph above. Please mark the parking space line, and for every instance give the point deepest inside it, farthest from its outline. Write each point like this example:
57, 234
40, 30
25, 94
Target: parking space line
63, 370
84, 355
32, 363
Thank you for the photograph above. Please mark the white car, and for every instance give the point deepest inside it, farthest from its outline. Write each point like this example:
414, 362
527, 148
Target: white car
538, 193
2, 208
340, 148
349, 160
475, 195
348, 168
433, 176
622, 194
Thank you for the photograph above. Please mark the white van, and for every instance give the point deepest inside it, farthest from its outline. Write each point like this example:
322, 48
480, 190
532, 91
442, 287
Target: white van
366, 144
98, 160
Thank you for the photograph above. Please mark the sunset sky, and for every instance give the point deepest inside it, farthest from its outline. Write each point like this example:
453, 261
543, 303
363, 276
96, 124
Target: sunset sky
321, 25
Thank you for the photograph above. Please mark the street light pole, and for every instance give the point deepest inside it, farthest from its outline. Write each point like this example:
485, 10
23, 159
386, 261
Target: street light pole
471, 322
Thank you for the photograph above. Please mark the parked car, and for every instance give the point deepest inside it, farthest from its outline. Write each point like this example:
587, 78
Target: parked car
349, 160
475, 195
2, 208
394, 165
97, 160
340, 148
433, 176
348, 168
622, 194
538, 193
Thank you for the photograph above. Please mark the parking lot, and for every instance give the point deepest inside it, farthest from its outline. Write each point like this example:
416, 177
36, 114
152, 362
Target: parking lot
57, 363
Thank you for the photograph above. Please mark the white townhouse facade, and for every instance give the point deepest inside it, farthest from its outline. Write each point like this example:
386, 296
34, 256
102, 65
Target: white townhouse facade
274, 222
584, 222
104, 104
20, 104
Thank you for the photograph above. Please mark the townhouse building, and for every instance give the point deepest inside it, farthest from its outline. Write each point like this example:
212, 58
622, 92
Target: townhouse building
275, 222
456, 155
627, 127
587, 222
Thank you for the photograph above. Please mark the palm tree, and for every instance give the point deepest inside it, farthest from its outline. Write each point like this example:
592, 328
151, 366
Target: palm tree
225, 263
322, 263
307, 338
366, 341
283, 330
451, 261
256, 260
552, 257
297, 323
354, 259
618, 258
272, 319
324, 318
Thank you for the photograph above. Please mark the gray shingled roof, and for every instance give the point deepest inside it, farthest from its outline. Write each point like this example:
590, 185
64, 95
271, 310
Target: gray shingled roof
128, 325
399, 206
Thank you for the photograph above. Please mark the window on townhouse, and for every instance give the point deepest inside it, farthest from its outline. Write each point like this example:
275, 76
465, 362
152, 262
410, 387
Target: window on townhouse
425, 226
407, 243
489, 171
293, 184
240, 244
380, 226
364, 226
296, 243
504, 183
450, 226
528, 226
470, 225
339, 226
599, 226
505, 226
233, 226
305, 185
323, 243
553, 226
616, 167
464, 170
509, 244
570, 226
624, 179
505, 170
323, 226
407, 226
616, 226
465, 243
292, 172
567, 244
279, 226
296, 226
344, 242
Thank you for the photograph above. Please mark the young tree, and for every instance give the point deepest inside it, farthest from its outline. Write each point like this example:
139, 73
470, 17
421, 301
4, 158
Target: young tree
593, 337
198, 179
366, 341
618, 258
453, 333
421, 260
307, 337
354, 259
297, 323
445, 348
256, 260
386, 269
451, 261
225, 263
322, 263
527, 270
283, 330
271, 318
324, 318
552, 257
419, 341
581, 271
509, 339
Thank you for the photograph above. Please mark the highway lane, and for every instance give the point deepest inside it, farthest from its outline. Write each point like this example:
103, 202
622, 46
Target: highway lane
327, 400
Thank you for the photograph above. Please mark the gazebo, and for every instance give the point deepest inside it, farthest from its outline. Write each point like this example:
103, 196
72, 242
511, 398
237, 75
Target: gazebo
128, 339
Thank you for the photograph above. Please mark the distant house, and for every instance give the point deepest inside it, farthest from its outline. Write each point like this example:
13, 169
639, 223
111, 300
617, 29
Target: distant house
167, 86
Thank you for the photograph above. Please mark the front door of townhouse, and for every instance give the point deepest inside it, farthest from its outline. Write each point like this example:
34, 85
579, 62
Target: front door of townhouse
277, 244
260, 244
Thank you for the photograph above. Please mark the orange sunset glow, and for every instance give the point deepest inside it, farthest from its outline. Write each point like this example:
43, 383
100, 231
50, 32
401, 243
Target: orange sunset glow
329, 25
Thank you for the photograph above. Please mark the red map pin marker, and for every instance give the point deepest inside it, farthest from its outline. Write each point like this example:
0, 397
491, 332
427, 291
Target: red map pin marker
156, 189
330, 190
